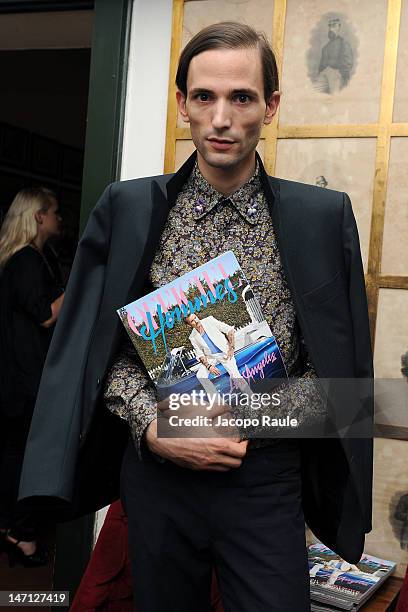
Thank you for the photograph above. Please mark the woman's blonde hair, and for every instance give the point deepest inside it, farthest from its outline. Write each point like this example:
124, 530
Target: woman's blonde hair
20, 226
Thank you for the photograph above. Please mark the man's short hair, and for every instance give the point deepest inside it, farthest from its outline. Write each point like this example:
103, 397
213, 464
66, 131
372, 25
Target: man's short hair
230, 35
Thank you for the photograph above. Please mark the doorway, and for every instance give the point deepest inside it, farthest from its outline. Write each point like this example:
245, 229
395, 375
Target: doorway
45, 58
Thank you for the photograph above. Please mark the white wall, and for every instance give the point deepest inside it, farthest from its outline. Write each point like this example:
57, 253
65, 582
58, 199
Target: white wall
146, 102
147, 85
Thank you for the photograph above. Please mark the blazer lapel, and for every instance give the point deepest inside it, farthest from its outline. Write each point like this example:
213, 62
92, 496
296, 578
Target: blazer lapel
154, 222
278, 206
288, 232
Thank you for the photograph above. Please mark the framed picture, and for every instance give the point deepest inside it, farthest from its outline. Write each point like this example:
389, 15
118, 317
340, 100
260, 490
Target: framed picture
395, 244
332, 61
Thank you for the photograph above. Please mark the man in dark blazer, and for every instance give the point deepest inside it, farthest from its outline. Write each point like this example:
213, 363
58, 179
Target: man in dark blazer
230, 89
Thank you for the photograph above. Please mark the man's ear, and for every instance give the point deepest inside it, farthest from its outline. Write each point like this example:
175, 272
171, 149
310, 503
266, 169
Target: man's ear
38, 216
181, 103
272, 107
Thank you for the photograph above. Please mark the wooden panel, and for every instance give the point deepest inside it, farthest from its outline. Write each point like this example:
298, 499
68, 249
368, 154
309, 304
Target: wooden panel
382, 158
395, 240
328, 131
270, 132
177, 26
393, 282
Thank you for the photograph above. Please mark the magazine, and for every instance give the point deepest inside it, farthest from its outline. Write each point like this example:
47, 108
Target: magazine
204, 331
342, 585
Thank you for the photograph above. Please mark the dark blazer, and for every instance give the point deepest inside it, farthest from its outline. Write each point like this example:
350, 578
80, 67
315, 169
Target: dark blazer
75, 446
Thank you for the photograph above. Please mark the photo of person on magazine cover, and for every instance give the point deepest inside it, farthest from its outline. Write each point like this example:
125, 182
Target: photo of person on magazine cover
213, 344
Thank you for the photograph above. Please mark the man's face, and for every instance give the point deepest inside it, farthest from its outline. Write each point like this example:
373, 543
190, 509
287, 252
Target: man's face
225, 105
334, 30
192, 320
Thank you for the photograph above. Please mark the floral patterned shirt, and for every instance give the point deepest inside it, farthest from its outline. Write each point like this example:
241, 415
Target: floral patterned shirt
202, 224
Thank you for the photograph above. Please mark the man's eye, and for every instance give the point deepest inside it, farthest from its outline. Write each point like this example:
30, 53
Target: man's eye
242, 98
202, 97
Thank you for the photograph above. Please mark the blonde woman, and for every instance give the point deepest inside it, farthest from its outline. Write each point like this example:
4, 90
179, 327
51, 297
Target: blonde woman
30, 300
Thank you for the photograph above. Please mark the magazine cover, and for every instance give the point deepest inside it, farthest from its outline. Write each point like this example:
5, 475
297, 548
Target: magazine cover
204, 330
342, 582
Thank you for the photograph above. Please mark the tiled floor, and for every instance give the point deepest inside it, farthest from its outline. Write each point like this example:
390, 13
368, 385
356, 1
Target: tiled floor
28, 579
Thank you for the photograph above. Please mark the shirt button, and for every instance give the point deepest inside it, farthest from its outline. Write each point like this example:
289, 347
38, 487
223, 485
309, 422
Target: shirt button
98, 382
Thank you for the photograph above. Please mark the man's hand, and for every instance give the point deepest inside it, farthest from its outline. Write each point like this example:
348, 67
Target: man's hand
211, 454
230, 352
214, 370
207, 450
230, 336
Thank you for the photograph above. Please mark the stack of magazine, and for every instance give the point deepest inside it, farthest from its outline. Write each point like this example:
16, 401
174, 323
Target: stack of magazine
336, 584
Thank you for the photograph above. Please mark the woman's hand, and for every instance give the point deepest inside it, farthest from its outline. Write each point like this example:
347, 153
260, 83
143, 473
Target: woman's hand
55, 309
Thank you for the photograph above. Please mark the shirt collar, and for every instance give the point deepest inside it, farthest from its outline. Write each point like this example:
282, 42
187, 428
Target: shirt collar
247, 199
175, 182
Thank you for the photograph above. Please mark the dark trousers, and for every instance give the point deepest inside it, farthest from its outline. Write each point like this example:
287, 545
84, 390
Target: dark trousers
247, 523
13, 442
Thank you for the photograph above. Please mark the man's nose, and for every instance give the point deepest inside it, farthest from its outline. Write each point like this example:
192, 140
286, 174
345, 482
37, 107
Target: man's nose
222, 115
